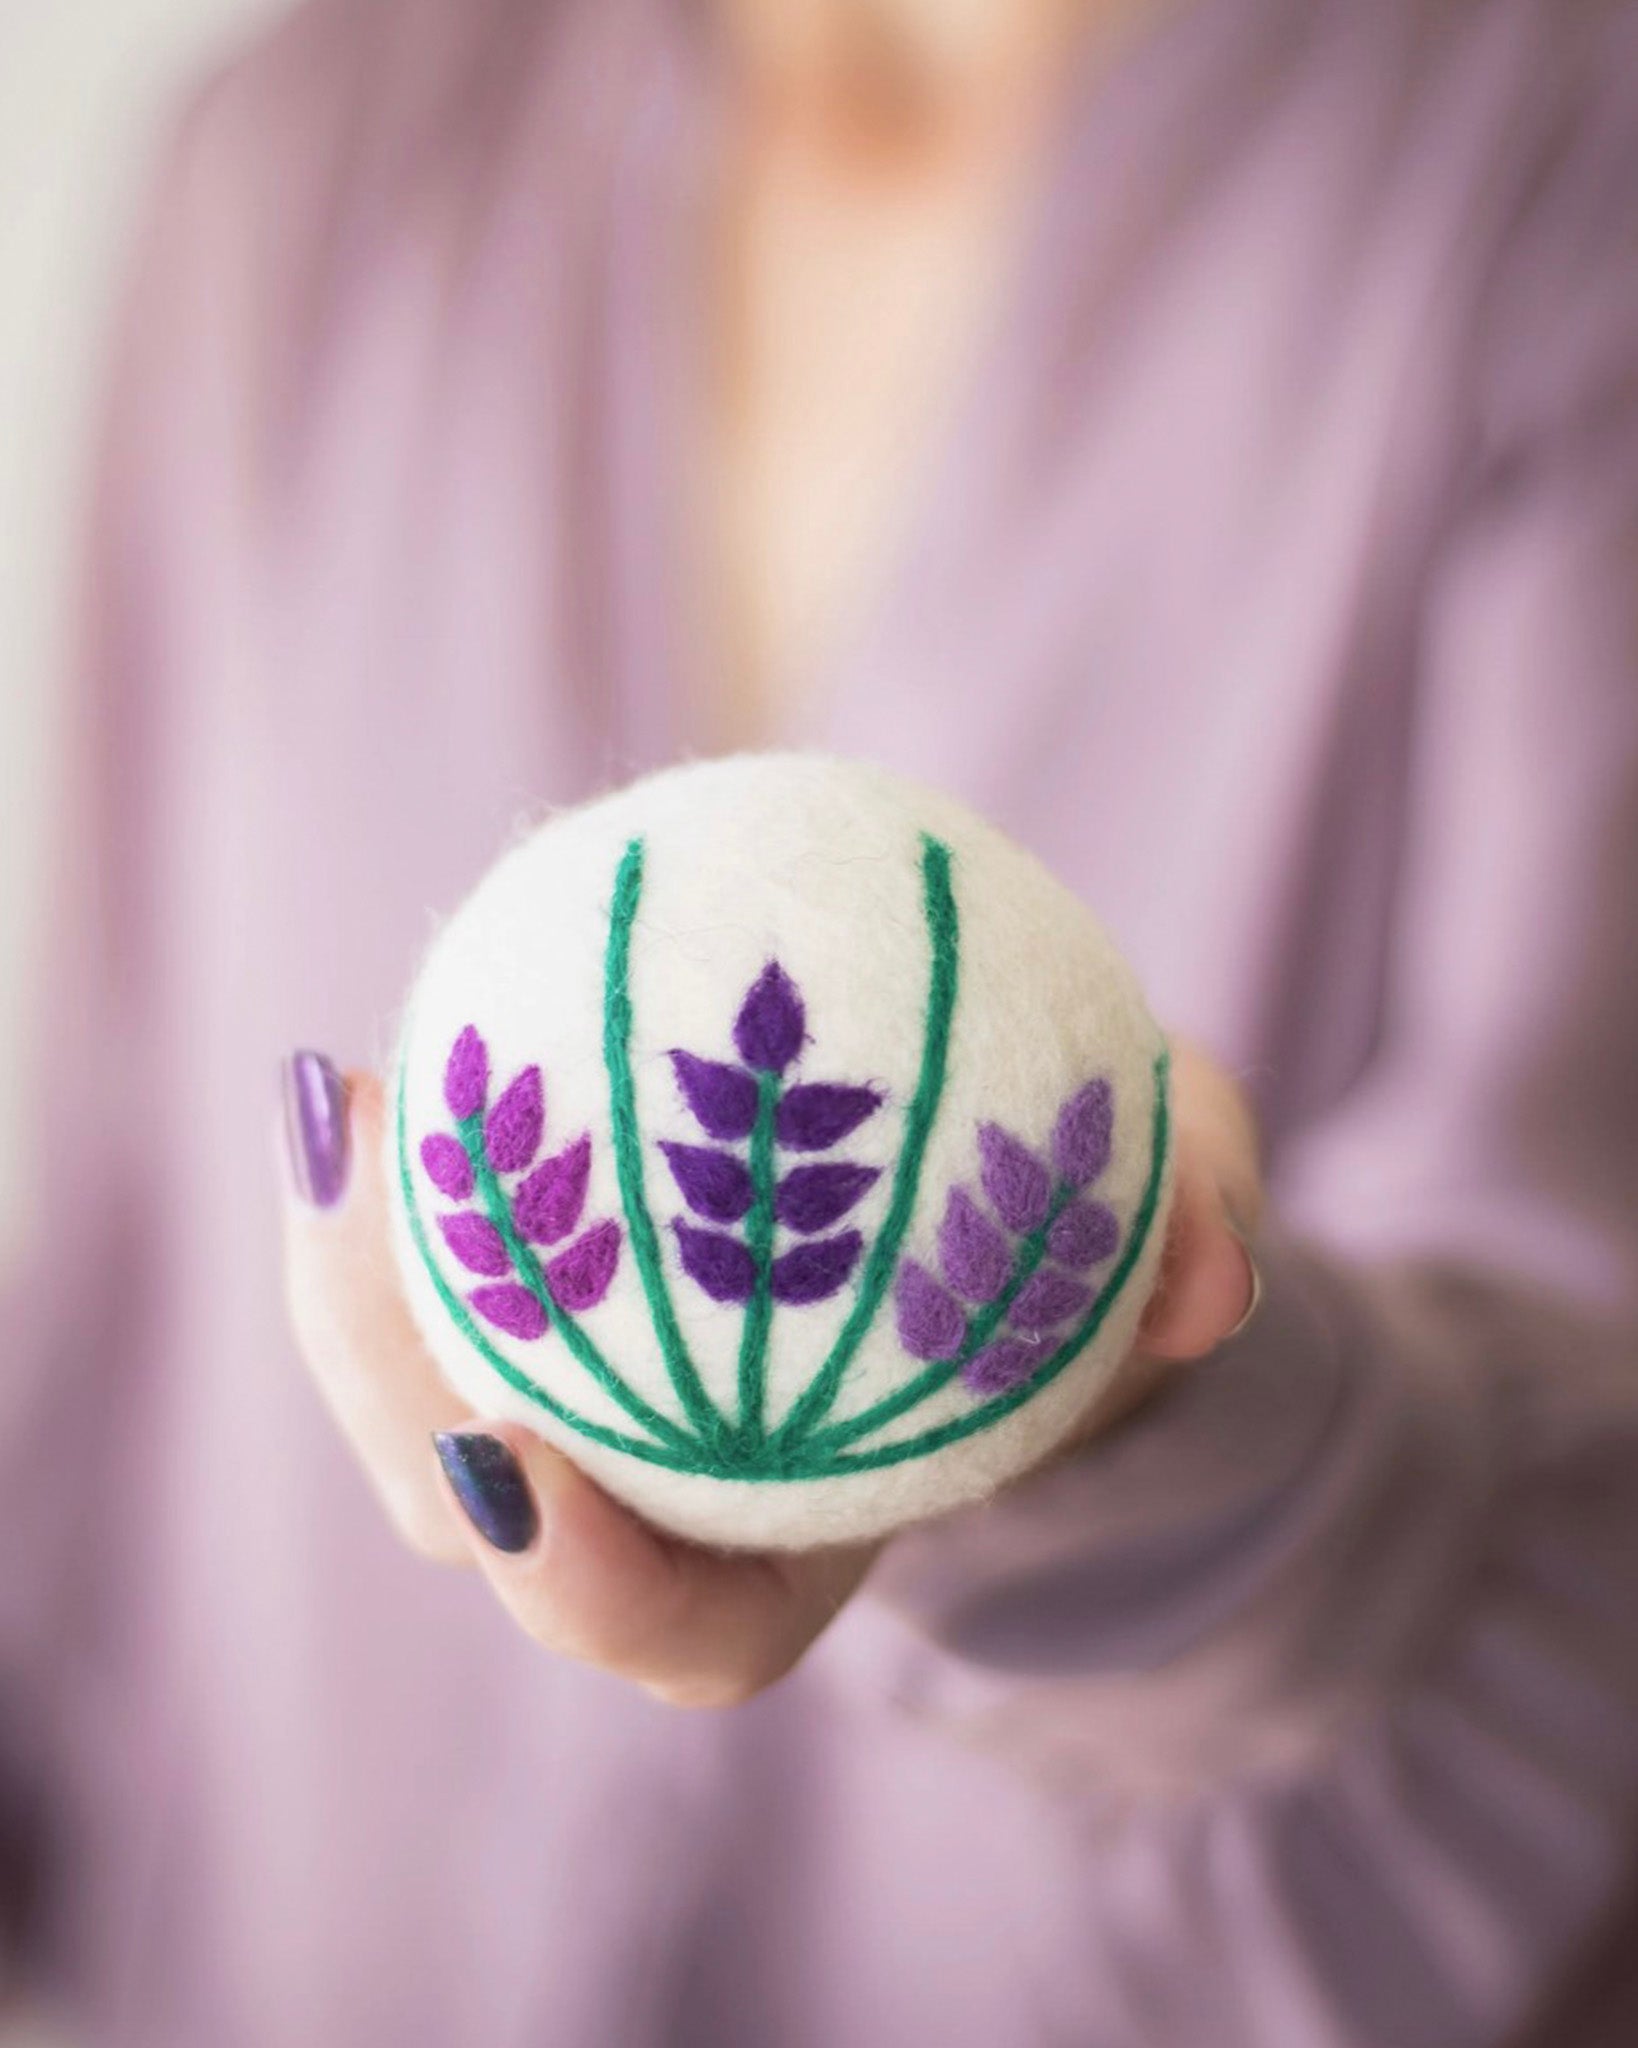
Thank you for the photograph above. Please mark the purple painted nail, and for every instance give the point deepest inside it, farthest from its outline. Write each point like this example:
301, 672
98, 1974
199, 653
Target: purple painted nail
316, 1129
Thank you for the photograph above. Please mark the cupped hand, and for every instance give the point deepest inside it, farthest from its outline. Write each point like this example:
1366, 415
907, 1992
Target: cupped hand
579, 1572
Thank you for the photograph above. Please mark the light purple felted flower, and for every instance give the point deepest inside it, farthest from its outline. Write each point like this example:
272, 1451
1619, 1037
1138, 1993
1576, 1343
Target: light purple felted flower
1084, 1134
580, 1277
448, 1167
545, 1207
1084, 1234
1018, 1184
975, 1255
548, 1204
466, 1075
511, 1308
930, 1322
1003, 1364
718, 1184
476, 1243
1017, 1261
514, 1127
768, 1030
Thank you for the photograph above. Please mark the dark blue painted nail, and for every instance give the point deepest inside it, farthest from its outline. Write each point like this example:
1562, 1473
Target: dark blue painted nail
491, 1487
315, 1128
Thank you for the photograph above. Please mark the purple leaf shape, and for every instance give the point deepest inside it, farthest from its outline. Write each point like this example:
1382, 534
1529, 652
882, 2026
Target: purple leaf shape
1047, 1299
812, 1272
512, 1134
721, 1266
476, 1243
1000, 1366
715, 1185
1018, 1184
547, 1206
580, 1277
975, 1256
819, 1114
930, 1321
768, 1030
1085, 1233
466, 1076
511, 1308
1083, 1134
447, 1165
722, 1098
812, 1198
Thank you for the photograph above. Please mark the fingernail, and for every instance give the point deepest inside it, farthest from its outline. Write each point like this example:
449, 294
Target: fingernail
491, 1487
315, 1128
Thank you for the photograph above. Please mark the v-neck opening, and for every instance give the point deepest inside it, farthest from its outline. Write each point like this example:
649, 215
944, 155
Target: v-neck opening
1097, 112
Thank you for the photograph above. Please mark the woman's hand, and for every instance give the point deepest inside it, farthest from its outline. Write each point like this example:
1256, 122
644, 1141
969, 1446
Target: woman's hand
580, 1573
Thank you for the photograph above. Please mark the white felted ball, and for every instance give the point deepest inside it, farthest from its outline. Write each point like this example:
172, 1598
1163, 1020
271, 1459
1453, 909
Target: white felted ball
783, 1143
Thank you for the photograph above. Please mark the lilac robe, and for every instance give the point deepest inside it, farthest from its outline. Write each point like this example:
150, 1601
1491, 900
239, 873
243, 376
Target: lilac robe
1275, 580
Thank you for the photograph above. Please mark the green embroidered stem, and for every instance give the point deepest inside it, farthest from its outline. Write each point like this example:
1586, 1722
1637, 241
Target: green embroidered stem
759, 1241
993, 1410
628, 1160
470, 1328
980, 1330
527, 1267
943, 930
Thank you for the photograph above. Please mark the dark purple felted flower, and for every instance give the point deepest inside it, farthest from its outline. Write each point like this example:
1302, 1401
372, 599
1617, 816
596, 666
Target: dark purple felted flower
975, 1256
715, 1185
1002, 1365
511, 1308
819, 1114
930, 1321
814, 1271
1083, 1234
721, 1098
512, 1133
768, 1030
475, 1242
447, 1165
1047, 1299
1083, 1134
814, 1197
579, 1278
547, 1206
1018, 1184
719, 1265
466, 1076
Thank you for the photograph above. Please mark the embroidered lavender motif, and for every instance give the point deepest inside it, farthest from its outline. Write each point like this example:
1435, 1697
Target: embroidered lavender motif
751, 1105
1012, 1291
1013, 1272
494, 1240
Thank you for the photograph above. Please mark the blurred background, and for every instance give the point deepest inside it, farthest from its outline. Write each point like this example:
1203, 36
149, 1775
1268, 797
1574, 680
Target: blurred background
84, 87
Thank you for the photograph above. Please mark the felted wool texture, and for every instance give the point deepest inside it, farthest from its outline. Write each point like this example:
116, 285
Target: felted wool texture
783, 1143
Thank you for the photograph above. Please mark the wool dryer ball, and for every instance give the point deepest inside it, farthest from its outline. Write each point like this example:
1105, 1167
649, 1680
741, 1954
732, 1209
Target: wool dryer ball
784, 1144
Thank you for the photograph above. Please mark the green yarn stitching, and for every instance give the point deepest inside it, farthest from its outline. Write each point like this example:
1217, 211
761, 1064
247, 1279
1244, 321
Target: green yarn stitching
1003, 1404
944, 931
527, 1267
796, 1450
470, 1328
628, 1161
759, 1241
982, 1327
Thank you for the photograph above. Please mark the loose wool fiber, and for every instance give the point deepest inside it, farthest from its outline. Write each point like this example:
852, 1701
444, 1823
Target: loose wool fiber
783, 1143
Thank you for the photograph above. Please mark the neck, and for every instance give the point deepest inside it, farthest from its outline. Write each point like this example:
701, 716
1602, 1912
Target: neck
905, 66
